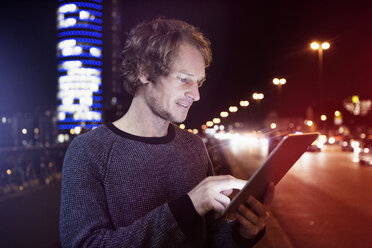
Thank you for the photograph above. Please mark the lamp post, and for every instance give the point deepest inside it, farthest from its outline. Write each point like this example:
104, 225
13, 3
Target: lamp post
279, 83
257, 97
320, 47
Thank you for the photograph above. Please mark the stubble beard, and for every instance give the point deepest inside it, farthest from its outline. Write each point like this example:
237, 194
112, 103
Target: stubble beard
158, 110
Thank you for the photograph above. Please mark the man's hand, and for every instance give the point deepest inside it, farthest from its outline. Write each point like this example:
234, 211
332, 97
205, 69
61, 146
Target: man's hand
253, 215
212, 193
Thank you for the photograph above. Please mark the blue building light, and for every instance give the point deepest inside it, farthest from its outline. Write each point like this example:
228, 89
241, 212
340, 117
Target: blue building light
97, 1
85, 41
85, 5
79, 50
80, 34
97, 98
85, 62
81, 55
84, 26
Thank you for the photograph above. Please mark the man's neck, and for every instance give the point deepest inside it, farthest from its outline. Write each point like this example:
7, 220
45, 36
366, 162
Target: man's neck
140, 121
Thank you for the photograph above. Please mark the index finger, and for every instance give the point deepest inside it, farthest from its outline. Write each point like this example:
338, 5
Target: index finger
229, 182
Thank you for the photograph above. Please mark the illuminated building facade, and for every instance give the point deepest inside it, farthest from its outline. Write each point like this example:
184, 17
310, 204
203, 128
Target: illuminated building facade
79, 52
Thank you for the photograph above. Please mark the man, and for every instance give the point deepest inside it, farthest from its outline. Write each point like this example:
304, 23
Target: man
142, 181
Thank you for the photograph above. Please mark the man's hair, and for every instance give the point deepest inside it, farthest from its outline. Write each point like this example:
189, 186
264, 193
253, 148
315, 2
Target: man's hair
151, 47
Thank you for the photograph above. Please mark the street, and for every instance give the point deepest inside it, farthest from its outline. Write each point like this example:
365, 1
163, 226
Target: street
323, 201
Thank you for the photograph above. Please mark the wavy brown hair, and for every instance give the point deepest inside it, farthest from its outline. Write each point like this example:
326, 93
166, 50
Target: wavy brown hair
151, 47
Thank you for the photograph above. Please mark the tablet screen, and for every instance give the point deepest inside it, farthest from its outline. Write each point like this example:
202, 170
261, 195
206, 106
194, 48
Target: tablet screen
276, 165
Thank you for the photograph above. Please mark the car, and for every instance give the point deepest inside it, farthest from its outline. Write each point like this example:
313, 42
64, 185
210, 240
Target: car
318, 144
313, 148
346, 146
365, 156
350, 145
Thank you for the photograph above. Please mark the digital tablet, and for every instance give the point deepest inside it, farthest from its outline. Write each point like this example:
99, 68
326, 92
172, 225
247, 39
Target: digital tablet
276, 165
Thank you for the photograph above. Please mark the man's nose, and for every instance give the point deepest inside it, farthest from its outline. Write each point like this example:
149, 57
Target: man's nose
193, 92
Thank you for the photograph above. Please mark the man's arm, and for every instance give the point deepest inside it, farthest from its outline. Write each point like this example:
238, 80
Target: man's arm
212, 194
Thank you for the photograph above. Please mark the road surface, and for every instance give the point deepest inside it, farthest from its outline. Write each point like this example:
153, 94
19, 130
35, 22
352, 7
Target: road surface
324, 201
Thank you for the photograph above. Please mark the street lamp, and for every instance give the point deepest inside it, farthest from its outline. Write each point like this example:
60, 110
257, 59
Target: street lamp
257, 96
224, 114
216, 120
279, 83
233, 109
320, 47
244, 103
209, 124
316, 46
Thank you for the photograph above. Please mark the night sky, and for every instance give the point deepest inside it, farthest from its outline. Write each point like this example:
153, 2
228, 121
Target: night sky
252, 42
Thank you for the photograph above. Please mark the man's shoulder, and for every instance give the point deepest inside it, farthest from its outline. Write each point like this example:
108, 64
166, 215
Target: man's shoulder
94, 146
186, 133
188, 137
96, 137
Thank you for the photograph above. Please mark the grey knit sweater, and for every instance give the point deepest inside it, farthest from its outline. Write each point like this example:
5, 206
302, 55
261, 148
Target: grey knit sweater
121, 190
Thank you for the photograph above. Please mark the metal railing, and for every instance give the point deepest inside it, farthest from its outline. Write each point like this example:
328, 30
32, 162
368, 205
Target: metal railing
23, 168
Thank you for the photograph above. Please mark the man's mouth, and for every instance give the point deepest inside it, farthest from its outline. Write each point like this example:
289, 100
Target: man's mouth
184, 105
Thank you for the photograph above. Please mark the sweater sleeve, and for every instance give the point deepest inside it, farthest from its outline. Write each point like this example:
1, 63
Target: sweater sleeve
85, 219
224, 233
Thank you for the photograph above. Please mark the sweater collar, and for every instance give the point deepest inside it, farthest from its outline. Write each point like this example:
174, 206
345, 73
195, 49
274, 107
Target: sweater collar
151, 140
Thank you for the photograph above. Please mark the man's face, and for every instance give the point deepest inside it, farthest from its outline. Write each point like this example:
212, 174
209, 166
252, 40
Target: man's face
171, 97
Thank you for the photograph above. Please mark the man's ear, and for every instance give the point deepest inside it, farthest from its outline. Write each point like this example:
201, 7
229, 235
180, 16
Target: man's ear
143, 79
143, 76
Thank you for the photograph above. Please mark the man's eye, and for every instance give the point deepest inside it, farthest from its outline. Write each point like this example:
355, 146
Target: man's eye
183, 80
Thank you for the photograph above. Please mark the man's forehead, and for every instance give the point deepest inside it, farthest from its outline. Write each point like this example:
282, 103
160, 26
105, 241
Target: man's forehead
189, 61
189, 73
